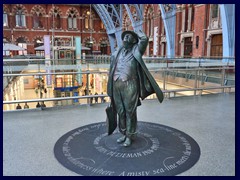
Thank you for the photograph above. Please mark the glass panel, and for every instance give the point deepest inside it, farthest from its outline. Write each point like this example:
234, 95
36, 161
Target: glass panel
70, 23
214, 10
58, 21
74, 22
5, 20
91, 24
40, 21
18, 21
23, 20
86, 23
35, 21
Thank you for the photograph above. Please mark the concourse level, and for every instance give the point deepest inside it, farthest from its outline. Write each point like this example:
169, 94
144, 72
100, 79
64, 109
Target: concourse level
29, 136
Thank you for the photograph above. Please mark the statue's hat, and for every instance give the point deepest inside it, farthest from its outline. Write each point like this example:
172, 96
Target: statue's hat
130, 32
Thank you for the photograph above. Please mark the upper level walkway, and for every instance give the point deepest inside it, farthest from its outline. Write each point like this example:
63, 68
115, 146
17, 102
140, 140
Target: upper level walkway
29, 136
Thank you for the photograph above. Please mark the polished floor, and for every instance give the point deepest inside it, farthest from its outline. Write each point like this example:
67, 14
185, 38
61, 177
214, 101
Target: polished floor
29, 136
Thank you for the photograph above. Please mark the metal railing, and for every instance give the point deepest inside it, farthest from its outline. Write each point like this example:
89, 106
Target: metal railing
175, 77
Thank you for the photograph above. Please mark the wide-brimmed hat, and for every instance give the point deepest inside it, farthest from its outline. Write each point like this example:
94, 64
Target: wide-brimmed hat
130, 32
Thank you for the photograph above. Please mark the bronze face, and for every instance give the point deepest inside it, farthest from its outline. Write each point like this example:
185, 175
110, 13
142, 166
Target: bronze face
128, 41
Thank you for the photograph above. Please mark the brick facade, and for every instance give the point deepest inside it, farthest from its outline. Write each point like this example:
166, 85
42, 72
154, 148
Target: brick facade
30, 34
192, 21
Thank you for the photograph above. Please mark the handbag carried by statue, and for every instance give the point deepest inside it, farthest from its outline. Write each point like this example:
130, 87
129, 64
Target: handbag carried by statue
111, 119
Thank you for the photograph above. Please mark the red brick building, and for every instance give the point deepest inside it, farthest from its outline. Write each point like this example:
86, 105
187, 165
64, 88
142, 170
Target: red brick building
198, 30
28, 23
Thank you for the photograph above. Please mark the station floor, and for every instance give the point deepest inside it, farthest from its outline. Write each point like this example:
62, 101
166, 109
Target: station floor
29, 136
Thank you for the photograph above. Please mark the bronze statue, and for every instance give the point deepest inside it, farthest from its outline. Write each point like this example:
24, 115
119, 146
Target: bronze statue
129, 80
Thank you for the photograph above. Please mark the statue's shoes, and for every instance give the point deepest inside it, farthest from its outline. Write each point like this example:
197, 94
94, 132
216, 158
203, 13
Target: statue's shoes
127, 142
121, 139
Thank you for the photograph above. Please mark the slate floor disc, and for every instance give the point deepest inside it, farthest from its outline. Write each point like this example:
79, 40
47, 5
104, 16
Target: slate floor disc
157, 150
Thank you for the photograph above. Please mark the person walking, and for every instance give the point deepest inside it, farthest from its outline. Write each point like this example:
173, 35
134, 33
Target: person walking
102, 98
38, 105
91, 99
96, 98
18, 106
26, 106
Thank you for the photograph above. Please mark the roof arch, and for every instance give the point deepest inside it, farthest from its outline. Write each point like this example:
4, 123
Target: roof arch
112, 17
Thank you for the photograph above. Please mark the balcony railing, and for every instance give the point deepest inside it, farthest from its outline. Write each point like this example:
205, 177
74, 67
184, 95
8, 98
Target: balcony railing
175, 76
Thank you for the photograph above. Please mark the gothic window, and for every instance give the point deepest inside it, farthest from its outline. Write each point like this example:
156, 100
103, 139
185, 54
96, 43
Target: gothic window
22, 43
37, 20
103, 47
37, 43
5, 19
150, 25
150, 22
215, 20
5, 53
135, 16
163, 49
127, 23
192, 20
163, 29
214, 10
102, 26
20, 18
186, 19
89, 43
72, 20
56, 19
88, 21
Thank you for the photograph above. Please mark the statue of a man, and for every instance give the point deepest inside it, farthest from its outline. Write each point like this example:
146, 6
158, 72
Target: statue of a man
129, 80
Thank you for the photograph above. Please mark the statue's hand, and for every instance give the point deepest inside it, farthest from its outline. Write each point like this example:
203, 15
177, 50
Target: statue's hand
138, 31
143, 40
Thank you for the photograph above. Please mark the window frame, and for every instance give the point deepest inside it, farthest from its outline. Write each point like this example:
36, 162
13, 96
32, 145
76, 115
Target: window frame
20, 18
37, 16
72, 21
5, 19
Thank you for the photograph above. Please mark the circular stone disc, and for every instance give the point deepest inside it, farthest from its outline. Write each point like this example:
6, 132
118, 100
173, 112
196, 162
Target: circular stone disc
156, 150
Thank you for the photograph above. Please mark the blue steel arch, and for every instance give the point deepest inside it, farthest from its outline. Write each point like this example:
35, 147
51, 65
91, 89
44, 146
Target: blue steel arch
169, 20
136, 23
111, 15
228, 29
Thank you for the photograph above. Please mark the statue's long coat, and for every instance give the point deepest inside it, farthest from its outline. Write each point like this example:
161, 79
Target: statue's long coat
147, 84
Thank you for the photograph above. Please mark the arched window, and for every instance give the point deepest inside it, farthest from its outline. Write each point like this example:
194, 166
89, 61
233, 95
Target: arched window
89, 43
214, 10
5, 19
192, 18
127, 23
150, 26
20, 18
102, 26
5, 53
22, 43
186, 19
88, 21
38, 43
56, 19
163, 29
150, 22
103, 47
72, 20
37, 20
